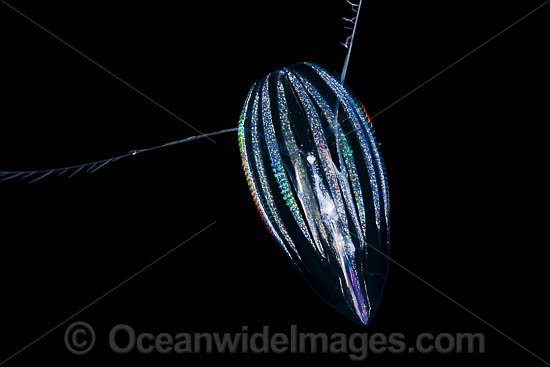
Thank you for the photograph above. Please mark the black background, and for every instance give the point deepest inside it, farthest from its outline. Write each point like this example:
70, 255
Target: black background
465, 157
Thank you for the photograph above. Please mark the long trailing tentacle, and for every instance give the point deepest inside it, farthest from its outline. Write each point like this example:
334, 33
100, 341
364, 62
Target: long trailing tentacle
91, 167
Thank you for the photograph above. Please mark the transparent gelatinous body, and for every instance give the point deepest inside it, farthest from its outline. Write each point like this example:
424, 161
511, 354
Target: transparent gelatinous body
318, 180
